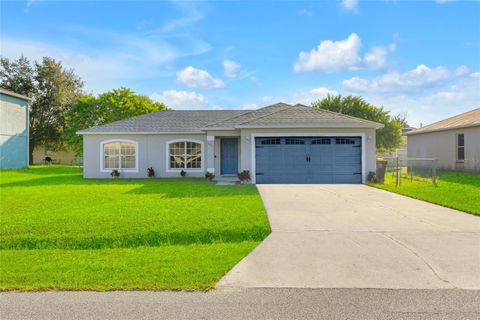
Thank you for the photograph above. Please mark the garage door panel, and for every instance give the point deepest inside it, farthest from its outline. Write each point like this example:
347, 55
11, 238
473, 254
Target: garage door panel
323, 169
348, 178
308, 160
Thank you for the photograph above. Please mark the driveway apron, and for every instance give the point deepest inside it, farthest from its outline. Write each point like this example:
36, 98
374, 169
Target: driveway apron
355, 236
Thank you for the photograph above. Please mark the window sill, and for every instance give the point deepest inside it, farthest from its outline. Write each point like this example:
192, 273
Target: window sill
186, 170
120, 170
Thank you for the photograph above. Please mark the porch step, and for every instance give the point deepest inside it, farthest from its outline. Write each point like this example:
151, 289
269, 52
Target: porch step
224, 181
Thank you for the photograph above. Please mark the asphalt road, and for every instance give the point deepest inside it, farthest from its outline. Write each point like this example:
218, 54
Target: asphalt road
254, 303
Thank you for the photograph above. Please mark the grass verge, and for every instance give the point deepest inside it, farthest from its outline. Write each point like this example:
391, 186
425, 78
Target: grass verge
454, 189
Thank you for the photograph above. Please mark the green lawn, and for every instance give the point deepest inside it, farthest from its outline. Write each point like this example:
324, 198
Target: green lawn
457, 190
59, 231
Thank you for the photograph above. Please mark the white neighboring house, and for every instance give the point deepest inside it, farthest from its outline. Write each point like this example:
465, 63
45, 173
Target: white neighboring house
280, 143
455, 142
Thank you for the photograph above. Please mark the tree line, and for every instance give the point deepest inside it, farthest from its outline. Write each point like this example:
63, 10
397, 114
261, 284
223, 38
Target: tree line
60, 107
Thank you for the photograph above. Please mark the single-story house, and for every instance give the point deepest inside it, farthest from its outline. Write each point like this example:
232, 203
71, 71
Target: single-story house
280, 143
454, 142
13, 130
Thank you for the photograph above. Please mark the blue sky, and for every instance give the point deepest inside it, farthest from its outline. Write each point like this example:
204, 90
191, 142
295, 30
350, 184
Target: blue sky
422, 58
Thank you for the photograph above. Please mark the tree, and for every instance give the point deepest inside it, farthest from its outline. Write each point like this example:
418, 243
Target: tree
388, 137
402, 119
118, 104
53, 90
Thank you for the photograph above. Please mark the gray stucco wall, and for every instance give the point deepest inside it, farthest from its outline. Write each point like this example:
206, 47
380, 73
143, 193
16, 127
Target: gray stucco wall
152, 151
443, 146
13, 132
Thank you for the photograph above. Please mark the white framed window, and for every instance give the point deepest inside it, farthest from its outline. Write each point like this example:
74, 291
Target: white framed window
460, 147
121, 155
185, 155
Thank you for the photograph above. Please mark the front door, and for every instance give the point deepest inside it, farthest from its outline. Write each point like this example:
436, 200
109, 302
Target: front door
228, 156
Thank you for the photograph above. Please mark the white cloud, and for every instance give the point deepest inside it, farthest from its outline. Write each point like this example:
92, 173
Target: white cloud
307, 97
249, 106
418, 78
349, 5
197, 78
343, 55
305, 13
189, 16
331, 56
101, 69
452, 93
180, 99
119, 58
376, 58
231, 68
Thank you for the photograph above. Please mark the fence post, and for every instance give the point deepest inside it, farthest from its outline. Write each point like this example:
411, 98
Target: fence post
396, 169
434, 171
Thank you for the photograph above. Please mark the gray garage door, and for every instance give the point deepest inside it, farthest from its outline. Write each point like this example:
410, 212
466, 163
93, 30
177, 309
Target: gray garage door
308, 160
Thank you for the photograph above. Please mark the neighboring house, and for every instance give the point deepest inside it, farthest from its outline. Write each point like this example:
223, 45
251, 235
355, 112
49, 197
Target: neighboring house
406, 130
13, 130
280, 143
63, 156
455, 142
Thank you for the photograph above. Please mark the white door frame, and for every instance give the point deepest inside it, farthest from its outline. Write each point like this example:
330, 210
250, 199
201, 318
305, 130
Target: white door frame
316, 134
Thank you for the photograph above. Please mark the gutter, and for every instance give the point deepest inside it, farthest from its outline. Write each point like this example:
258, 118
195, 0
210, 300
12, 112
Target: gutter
137, 133
414, 132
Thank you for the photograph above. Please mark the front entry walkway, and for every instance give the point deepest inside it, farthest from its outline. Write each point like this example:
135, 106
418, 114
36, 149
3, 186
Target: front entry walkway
354, 236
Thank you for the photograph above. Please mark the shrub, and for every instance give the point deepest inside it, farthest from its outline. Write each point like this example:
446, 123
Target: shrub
115, 173
183, 173
150, 172
372, 177
244, 176
210, 176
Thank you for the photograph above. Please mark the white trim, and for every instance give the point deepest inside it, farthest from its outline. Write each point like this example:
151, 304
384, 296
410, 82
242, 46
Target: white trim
210, 138
306, 134
211, 170
167, 156
457, 147
119, 169
28, 134
341, 125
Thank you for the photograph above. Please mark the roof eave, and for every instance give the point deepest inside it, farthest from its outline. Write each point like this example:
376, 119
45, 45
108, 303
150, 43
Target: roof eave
315, 125
419, 131
137, 133
15, 95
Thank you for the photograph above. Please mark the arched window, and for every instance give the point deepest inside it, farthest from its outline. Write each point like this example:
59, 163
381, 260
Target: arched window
117, 154
184, 155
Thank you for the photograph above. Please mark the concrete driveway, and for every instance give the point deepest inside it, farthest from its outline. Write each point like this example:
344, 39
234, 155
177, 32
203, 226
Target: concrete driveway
355, 236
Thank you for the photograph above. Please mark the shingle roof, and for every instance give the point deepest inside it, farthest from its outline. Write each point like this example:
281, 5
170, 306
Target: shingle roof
166, 121
303, 116
463, 120
277, 115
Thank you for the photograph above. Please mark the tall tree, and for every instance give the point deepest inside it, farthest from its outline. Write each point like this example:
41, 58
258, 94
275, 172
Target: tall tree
402, 119
118, 104
388, 137
53, 90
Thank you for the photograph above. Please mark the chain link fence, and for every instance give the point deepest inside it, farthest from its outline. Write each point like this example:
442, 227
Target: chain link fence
405, 168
